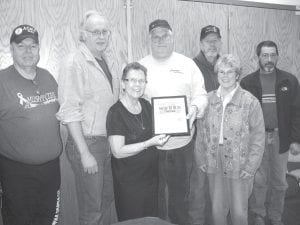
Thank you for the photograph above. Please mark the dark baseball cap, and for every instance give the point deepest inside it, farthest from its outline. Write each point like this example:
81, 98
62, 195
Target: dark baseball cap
22, 32
210, 29
159, 23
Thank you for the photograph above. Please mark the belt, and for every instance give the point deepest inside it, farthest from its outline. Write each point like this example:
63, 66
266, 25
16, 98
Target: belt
88, 137
269, 130
94, 137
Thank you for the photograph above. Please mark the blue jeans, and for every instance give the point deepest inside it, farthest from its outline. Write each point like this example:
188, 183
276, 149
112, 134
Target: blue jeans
232, 195
94, 192
200, 206
229, 195
270, 177
175, 169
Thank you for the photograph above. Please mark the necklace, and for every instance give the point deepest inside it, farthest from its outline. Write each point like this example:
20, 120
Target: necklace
137, 112
140, 120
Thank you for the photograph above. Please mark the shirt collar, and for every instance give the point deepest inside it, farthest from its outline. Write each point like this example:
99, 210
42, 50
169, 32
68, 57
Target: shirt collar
87, 53
229, 95
201, 58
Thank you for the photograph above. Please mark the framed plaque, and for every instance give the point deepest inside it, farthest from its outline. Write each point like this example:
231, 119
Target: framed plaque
169, 115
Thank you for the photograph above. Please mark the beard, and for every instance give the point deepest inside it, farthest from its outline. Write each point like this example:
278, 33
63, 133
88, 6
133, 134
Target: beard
267, 67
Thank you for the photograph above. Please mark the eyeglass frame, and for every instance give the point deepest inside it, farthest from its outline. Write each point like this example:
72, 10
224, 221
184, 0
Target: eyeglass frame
98, 33
267, 56
230, 72
138, 81
166, 38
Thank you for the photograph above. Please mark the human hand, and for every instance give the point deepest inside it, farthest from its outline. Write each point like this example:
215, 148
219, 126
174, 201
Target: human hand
89, 163
203, 168
294, 148
295, 173
159, 140
201, 112
245, 175
191, 116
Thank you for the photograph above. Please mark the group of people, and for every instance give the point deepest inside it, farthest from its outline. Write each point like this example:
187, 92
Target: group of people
244, 139
236, 150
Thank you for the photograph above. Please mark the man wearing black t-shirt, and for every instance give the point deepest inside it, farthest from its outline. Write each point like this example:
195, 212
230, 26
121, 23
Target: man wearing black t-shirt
30, 142
279, 94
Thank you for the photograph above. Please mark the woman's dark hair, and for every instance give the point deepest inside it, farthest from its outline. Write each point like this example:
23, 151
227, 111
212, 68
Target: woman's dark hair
133, 66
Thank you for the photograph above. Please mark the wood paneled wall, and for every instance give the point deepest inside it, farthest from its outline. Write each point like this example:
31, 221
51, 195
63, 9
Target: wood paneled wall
185, 18
242, 28
249, 26
57, 22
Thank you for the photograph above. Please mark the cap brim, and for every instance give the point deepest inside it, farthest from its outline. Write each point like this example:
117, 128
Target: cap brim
208, 33
156, 28
22, 37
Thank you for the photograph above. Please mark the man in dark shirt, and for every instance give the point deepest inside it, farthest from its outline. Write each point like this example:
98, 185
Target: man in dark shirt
279, 94
210, 48
30, 142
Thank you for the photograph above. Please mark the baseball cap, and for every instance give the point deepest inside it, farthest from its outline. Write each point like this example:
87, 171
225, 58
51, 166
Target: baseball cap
210, 29
22, 32
159, 23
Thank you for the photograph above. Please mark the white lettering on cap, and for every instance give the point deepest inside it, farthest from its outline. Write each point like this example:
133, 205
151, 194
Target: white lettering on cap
29, 29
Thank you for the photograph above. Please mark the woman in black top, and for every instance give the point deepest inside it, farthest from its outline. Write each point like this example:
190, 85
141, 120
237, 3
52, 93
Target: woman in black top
135, 158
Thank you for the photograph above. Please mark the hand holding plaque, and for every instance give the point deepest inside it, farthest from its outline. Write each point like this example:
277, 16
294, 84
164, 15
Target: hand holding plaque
169, 115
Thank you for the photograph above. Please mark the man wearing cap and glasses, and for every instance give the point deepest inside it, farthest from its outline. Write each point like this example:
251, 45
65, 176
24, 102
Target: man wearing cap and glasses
210, 50
30, 142
171, 74
87, 88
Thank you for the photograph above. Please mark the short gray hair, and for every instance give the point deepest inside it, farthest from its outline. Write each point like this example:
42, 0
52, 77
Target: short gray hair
83, 23
229, 60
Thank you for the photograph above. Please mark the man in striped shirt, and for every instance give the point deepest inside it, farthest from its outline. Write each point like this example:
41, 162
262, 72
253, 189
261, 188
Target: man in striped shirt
279, 94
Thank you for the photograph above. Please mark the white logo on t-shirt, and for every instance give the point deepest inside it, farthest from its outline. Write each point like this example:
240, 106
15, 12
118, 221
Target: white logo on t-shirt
34, 101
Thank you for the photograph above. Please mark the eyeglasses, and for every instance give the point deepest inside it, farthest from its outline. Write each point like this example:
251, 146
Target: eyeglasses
134, 81
157, 39
99, 33
229, 73
266, 55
